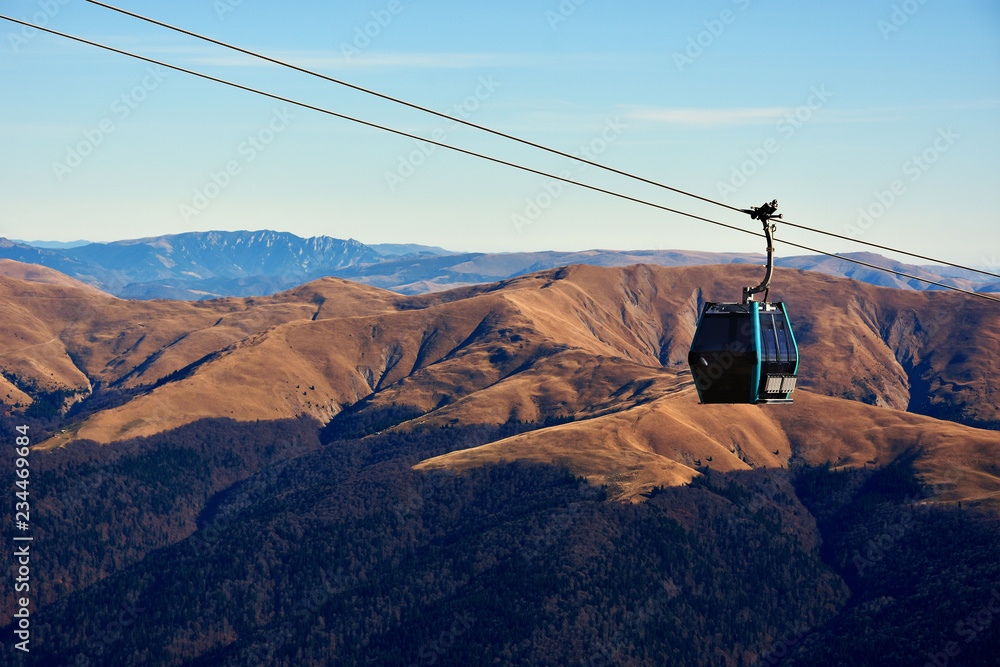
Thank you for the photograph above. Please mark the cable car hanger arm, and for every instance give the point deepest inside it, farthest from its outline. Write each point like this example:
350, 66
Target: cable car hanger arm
764, 213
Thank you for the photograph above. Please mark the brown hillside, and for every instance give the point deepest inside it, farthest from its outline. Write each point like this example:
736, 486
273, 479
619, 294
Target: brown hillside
41, 274
55, 336
858, 341
607, 345
665, 441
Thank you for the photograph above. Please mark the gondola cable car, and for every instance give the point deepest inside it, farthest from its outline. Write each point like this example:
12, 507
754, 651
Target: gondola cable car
746, 352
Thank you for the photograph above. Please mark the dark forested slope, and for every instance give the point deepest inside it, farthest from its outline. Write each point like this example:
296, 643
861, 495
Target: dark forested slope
344, 555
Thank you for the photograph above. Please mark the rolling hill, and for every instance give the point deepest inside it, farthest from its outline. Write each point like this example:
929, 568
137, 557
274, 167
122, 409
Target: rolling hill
601, 348
339, 474
35, 273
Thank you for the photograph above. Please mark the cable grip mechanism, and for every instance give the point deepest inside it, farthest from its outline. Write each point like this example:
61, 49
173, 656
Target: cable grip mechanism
765, 212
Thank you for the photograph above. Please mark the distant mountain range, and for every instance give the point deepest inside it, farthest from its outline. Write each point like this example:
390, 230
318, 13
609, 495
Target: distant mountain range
53, 244
203, 265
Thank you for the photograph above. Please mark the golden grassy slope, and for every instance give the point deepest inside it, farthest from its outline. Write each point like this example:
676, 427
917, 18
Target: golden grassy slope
663, 442
53, 336
605, 345
41, 274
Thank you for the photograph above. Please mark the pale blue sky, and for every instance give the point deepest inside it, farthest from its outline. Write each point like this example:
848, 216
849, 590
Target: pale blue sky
685, 93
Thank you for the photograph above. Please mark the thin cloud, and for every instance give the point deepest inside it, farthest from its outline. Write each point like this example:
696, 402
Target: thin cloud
694, 116
764, 115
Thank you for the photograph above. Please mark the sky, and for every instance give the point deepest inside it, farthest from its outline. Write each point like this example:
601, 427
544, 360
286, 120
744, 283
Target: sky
877, 120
